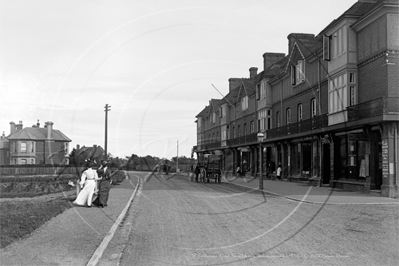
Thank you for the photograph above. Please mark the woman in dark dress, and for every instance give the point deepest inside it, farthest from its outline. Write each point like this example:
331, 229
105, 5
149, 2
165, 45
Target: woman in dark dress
104, 185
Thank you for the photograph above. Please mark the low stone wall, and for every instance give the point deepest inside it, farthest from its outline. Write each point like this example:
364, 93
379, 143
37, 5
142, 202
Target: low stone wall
29, 186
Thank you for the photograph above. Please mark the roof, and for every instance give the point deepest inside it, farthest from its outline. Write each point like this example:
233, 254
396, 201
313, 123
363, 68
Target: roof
358, 9
36, 133
204, 112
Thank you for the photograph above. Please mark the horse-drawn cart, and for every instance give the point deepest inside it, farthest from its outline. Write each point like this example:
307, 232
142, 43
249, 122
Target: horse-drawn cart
210, 166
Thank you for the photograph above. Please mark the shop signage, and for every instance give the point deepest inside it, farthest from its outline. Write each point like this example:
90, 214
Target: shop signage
305, 139
358, 136
385, 161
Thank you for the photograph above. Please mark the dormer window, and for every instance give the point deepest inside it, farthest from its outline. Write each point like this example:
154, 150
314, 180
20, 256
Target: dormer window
298, 73
244, 103
213, 117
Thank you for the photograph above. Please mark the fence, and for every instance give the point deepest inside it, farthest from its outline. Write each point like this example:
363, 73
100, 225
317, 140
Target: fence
20, 170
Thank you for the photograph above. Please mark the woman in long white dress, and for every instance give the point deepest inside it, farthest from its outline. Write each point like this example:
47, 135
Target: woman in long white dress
88, 183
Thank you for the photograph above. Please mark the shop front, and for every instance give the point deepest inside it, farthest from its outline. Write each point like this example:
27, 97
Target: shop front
305, 153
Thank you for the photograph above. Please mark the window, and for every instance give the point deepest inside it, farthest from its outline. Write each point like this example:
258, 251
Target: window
278, 119
299, 112
252, 127
326, 48
337, 94
313, 106
258, 91
352, 96
23, 148
262, 90
261, 117
339, 39
33, 146
228, 132
269, 119
213, 117
23, 161
234, 132
298, 73
239, 131
66, 147
217, 136
32, 161
288, 113
244, 103
245, 129
352, 78
15, 146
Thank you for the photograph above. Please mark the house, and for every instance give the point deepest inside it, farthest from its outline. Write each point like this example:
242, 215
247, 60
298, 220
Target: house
329, 109
34, 145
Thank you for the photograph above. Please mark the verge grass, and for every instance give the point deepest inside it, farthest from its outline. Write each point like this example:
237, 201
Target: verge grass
20, 218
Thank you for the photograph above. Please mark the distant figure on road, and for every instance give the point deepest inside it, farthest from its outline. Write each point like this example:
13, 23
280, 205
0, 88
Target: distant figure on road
104, 185
197, 172
88, 183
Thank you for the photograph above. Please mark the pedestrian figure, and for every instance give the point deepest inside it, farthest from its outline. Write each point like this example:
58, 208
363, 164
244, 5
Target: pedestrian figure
197, 172
238, 171
279, 171
104, 185
88, 184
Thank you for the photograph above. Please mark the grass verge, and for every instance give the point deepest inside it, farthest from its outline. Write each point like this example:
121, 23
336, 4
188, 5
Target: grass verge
20, 218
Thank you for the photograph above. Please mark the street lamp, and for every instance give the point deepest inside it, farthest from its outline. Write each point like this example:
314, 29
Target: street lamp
260, 139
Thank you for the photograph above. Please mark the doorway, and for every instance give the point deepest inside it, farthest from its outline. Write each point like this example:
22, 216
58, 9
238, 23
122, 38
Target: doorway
326, 164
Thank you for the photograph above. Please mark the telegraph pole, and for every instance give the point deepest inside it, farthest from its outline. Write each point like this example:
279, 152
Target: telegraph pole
106, 128
177, 158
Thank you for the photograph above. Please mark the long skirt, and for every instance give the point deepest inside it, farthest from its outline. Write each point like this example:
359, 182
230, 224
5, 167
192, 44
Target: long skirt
85, 196
103, 193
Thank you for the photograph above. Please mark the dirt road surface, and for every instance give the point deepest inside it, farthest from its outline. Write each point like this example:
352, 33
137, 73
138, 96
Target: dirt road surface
174, 221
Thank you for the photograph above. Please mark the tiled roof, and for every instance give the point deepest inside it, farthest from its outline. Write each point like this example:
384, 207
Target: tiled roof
33, 133
357, 9
204, 112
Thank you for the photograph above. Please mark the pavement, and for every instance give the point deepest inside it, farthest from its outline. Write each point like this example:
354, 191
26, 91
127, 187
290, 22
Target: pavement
299, 191
95, 227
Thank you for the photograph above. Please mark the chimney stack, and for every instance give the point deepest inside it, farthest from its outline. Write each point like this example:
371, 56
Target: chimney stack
38, 124
271, 58
49, 126
253, 71
12, 128
19, 126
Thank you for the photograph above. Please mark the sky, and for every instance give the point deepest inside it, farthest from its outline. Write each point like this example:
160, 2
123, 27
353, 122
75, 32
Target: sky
155, 62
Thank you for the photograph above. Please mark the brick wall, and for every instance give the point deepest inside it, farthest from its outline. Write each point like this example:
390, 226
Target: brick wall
373, 82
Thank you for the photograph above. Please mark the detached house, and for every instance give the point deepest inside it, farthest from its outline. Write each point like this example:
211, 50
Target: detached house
35, 145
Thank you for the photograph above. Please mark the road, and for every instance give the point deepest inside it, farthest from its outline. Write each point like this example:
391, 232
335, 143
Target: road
173, 221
